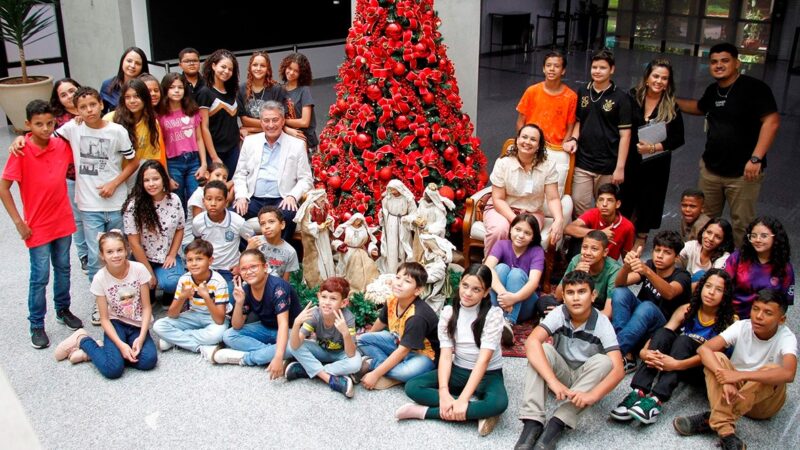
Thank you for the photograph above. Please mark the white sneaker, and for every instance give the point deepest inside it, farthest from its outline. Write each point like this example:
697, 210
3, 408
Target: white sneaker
207, 352
228, 356
164, 345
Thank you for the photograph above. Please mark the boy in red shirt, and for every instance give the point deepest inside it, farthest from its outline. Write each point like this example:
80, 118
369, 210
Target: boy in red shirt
606, 218
48, 224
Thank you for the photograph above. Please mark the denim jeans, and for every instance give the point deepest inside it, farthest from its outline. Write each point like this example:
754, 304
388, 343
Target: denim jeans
168, 278
109, 360
77, 236
634, 320
190, 330
381, 344
311, 356
256, 203
56, 251
228, 276
230, 158
514, 280
182, 169
94, 223
256, 340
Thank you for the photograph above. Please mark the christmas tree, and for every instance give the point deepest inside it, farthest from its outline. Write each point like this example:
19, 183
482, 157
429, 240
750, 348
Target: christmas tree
397, 115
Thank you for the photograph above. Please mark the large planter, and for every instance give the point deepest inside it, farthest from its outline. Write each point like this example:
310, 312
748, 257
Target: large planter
15, 97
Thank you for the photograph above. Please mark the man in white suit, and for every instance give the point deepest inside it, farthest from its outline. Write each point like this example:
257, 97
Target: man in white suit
273, 169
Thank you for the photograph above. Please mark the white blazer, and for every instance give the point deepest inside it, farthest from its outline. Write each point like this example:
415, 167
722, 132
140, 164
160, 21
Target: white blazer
294, 168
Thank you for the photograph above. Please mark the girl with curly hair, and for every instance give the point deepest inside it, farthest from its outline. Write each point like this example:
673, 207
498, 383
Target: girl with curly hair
153, 220
670, 356
711, 248
301, 122
521, 182
762, 262
219, 108
258, 89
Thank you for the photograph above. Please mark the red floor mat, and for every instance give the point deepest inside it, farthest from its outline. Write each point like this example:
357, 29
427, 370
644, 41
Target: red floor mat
521, 332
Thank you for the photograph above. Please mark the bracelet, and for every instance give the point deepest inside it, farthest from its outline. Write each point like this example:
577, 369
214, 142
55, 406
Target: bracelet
652, 148
572, 138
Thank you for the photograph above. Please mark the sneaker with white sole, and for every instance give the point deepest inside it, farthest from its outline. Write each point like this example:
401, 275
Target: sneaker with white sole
507, 339
294, 371
228, 356
341, 384
646, 410
206, 351
95, 316
164, 345
39, 338
623, 410
66, 317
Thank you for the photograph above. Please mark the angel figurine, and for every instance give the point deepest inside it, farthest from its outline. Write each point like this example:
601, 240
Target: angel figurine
316, 224
355, 263
398, 209
437, 255
431, 216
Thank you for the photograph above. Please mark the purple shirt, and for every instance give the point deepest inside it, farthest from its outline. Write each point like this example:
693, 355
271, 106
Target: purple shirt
749, 277
531, 259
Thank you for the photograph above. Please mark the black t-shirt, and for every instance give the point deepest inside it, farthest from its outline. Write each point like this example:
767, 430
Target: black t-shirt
648, 292
417, 324
279, 297
251, 107
734, 117
193, 90
223, 110
601, 115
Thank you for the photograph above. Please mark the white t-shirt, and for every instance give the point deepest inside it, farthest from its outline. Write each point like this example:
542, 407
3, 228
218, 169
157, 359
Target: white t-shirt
123, 296
691, 254
217, 290
224, 236
465, 351
98, 155
751, 353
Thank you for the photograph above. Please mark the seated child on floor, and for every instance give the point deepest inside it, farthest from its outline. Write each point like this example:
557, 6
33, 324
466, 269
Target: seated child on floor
471, 360
753, 381
198, 327
281, 256
194, 206
403, 342
670, 356
580, 367
692, 216
334, 329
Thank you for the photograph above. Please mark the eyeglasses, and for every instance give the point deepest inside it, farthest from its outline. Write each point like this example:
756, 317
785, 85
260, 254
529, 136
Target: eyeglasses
251, 269
760, 236
190, 62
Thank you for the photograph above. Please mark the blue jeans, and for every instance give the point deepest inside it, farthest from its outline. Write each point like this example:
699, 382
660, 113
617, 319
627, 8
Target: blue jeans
381, 344
56, 251
94, 223
633, 320
230, 158
109, 360
228, 276
182, 169
311, 356
190, 330
256, 340
514, 280
168, 278
77, 236
255, 205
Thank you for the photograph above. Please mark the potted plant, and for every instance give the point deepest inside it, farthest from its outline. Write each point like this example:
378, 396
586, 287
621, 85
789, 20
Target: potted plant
23, 22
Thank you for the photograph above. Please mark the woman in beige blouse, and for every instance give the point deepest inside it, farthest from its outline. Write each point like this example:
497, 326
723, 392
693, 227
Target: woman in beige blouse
521, 181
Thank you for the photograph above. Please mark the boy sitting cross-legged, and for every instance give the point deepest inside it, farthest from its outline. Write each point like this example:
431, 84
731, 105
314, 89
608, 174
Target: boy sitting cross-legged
581, 367
753, 381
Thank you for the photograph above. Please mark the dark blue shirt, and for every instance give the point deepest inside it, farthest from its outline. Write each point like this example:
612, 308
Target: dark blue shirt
279, 297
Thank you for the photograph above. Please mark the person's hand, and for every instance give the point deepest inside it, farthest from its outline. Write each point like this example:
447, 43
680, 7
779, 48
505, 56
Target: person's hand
506, 299
556, 230
202, 289
295, 133
459, 411
201, 173
632, 257
726, 376
275, 368
241, 206
238, 291
169, 261
243, 133
254, 242
107, 189
445, 405
153, 283
731, 394
217, 160
340, 323
570, 146
136, 348
583, 399
650, 357
618, 177
369, 380
751, 171
16, 146
583, 266
289, 203
24, 230
235, 270
186, 293
644, 148
560, 391
666, 363
127, 353
173, 185
306, 314
609, 232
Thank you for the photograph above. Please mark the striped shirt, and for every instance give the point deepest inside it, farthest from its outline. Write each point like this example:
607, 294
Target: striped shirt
577, 345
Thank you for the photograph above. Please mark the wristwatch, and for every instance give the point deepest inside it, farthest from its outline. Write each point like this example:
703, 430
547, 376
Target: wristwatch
756, 160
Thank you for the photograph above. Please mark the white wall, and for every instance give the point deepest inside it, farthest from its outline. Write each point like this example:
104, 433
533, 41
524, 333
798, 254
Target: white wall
461, 23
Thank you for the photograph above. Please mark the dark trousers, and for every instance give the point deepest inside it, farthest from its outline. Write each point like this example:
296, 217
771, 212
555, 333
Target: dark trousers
661, 384
109, 360
255, 205
491, 397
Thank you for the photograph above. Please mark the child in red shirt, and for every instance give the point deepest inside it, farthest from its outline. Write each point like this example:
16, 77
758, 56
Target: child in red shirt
48, 224
605, 217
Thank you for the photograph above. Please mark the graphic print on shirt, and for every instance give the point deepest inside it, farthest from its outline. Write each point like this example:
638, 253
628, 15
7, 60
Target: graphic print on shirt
94, 155
218, 105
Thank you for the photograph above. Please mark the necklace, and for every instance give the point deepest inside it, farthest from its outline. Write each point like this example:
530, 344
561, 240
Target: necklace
591, 90
730, 88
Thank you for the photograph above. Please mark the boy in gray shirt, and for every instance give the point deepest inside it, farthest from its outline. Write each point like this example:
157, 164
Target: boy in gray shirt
281, 256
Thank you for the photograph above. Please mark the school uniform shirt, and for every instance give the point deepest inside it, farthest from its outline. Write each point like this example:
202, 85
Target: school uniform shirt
217, 291
179, 132
98, 154
524, 190
415, 328
749, 277
156, 244
45, 202
751, 353
577, 345
224, 236
223, 110
465, 350
531, 259
691, 254
601, 117
733, 118
603, 281
329, 338
624, 231
123, 296
279, 297
649, 293
281, 258
553, 112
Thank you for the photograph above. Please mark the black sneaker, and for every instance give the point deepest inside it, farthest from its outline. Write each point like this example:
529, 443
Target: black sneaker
366, 362
691, 425
731, 442
39, 338
66, 317
531, 430
341, 384
294, 370
630, 365
550, 435
85, 264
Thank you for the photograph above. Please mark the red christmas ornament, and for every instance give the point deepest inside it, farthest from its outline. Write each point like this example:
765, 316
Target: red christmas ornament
450, 153
399, 69
468, 160
341, 106
394, 31
346, 216
401, 122
427, 98
421, 49
335, 181
349, 50
374, 92
446, 191
385, 174
363, 140
460, 193
455, 227
361, 208
323, 176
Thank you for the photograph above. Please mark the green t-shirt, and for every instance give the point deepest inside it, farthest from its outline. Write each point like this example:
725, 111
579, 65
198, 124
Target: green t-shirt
603, 281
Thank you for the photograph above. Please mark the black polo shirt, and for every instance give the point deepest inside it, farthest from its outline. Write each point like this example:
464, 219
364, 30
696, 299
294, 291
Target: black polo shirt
602, 115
